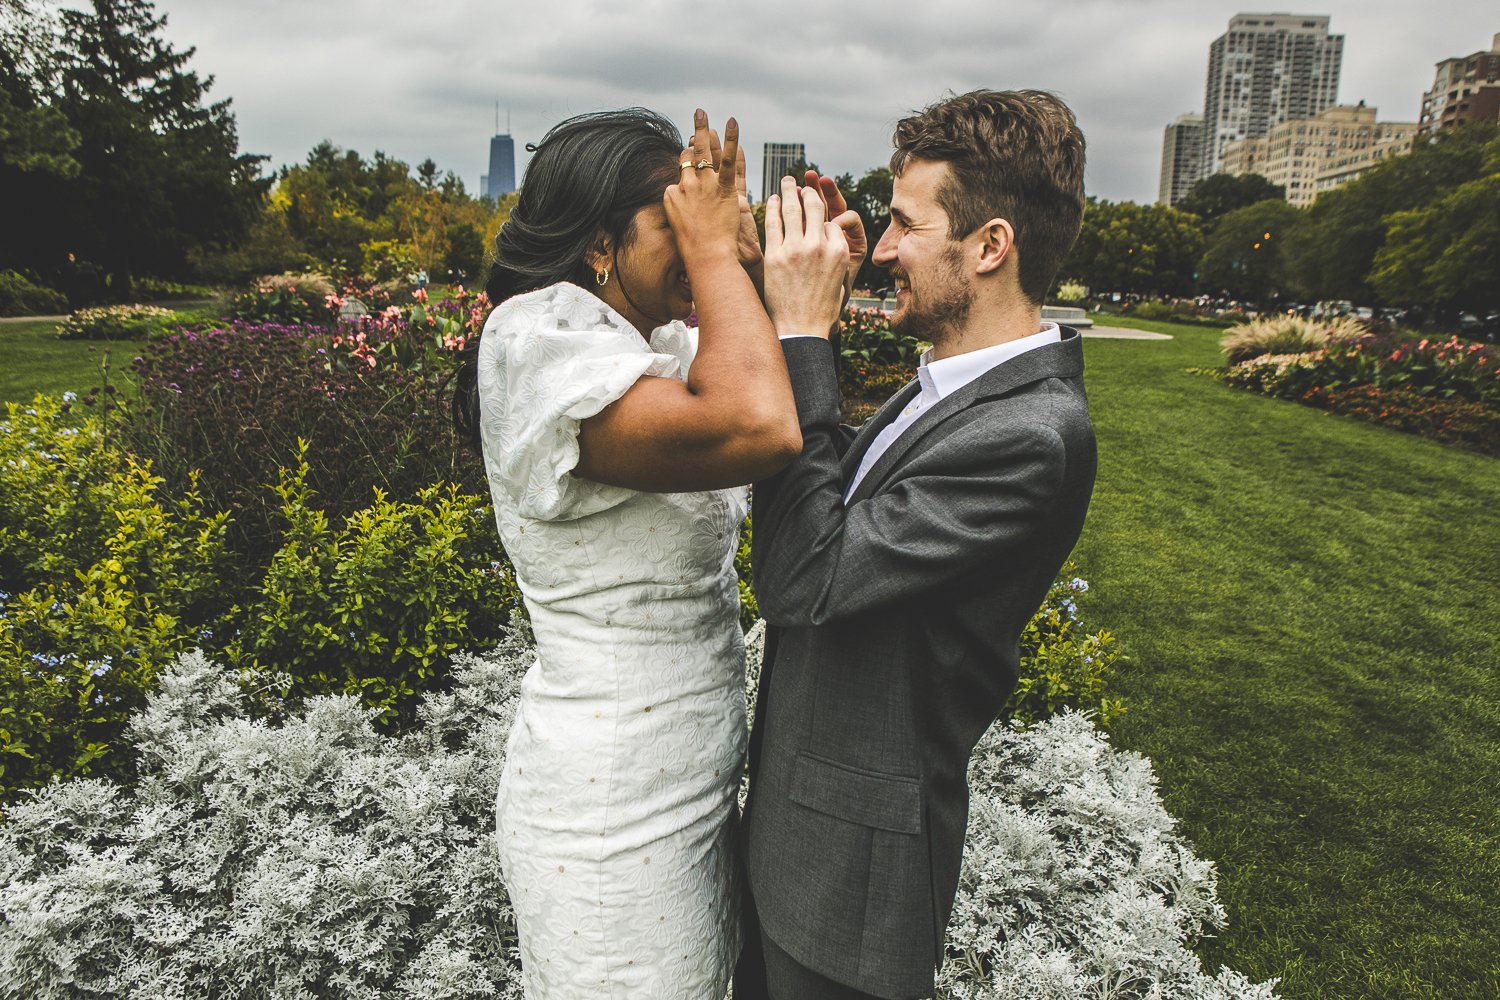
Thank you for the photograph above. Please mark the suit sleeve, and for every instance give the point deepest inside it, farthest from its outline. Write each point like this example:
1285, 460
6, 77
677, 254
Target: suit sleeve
974, 498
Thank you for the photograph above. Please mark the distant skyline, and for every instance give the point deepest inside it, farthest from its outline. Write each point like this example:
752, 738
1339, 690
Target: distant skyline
374, 74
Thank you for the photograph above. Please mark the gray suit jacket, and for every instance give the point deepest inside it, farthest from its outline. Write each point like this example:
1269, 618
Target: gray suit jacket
893, 646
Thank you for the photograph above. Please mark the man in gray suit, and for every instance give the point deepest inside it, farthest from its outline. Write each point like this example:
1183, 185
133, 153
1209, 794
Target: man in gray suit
897, 565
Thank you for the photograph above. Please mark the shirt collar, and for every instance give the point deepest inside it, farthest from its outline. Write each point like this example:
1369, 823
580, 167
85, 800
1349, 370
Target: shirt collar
946, 376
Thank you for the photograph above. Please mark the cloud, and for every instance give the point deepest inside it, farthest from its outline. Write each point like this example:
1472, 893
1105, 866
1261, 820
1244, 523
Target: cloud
375, 74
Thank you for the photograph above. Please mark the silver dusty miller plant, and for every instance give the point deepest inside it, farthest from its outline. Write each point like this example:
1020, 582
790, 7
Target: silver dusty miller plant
314, 858
309, 859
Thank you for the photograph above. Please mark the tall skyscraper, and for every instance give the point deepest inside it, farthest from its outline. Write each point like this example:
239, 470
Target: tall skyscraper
1465, 88
501, 179
1181, 158
1267, 68
777, 161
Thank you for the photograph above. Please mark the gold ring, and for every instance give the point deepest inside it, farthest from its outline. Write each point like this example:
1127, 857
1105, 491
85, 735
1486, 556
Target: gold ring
703, 163
684, 164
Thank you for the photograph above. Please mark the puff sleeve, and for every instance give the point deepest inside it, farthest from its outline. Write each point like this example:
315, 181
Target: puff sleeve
548, 360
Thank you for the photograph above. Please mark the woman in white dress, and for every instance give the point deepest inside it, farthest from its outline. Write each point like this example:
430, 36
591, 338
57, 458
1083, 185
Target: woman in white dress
616, 442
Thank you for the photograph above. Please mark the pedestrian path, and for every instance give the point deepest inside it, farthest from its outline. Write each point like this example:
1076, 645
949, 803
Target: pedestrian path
32, 319
1123, 333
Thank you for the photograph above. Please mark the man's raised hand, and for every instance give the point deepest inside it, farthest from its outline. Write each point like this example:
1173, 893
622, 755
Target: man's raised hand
807, 258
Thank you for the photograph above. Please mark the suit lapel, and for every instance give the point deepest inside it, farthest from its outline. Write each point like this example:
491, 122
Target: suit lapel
888, 412
1061, 360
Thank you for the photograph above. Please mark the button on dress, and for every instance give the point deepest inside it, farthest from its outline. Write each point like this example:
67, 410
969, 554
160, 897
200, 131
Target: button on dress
615, 811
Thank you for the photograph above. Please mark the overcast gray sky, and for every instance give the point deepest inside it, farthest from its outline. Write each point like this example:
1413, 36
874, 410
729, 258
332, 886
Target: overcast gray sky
422, 80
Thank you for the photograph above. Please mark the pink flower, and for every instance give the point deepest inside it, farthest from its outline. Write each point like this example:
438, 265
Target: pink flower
1396, 354
420, 295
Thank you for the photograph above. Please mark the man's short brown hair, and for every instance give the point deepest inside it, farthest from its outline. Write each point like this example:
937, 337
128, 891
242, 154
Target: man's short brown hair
1013, 154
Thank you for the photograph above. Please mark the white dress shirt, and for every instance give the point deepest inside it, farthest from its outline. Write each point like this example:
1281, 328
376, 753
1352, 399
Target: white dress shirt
942, 378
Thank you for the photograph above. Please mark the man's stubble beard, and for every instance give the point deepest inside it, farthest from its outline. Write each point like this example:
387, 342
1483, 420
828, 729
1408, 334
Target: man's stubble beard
943, 307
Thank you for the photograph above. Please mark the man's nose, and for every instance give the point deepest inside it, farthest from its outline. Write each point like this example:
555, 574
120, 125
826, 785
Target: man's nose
885, 250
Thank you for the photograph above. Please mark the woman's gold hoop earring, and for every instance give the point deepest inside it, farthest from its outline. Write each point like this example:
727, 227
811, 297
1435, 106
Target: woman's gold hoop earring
601, 277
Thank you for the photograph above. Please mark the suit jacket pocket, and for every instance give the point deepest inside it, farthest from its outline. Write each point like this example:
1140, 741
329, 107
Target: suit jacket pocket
882, 801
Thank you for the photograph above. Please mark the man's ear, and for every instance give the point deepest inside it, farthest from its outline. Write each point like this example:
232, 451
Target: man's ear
997, 243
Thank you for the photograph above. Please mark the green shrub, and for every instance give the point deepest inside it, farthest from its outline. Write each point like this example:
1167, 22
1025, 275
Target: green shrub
1062, 665
61, 483
110, 580
866, 335
1151, 310
161, 288
378, 606
286, 298
1072, 291
117, 323
20, 296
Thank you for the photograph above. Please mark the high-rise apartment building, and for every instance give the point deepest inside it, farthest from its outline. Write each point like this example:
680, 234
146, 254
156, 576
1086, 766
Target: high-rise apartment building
1181, 158
1267, 68
501, 180
1307, 156
1464, 89
777, 161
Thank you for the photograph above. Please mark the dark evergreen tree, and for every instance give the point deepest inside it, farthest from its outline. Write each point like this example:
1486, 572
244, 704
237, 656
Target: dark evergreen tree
160, 172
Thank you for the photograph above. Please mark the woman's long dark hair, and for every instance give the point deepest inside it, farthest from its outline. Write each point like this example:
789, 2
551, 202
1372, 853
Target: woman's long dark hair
589, 177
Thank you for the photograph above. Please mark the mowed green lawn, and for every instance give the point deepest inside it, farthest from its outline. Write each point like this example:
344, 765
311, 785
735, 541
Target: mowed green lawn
1312, 609
33, 360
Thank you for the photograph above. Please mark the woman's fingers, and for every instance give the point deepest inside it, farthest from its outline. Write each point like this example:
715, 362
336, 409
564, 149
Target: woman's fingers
701, 142
728, 158
739, 170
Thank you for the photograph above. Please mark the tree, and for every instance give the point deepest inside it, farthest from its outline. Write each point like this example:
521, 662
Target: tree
160, 174
1219, 194
1126, 247
1347, 227
870, 196
1446, 256
34, 135
1244, 255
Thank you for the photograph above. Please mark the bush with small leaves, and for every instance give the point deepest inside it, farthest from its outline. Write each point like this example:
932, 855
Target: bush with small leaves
20, 296
1062, 665
106, 580
377, 606
118, 323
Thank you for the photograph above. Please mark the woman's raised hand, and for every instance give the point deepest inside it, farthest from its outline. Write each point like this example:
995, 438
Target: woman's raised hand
807, 259
703, 207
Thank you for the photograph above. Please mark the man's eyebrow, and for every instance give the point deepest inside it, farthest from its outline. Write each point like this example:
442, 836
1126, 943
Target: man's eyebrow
899, 215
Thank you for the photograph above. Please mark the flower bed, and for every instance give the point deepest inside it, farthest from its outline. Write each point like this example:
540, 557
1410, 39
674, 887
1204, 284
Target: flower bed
1445, 389
316, 857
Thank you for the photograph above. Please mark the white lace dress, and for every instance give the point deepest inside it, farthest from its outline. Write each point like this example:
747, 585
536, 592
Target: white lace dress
616, 807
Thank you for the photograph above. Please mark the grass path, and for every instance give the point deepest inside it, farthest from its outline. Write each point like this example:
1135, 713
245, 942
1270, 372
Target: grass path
1312, 608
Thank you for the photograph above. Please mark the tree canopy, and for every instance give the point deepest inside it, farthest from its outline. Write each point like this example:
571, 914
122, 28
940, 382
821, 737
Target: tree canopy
1127, 247
1244, 254
155, 170
1219, 194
